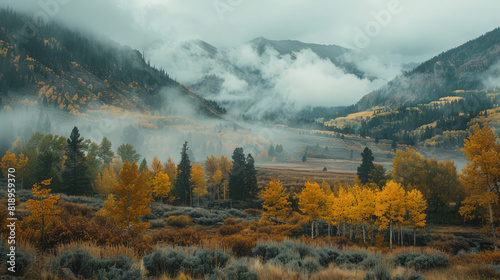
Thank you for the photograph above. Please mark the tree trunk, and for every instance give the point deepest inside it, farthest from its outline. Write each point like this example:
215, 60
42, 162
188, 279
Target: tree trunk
42, 236
312, 230
414, 238
390, 235
364, 237
495, 241
329, 230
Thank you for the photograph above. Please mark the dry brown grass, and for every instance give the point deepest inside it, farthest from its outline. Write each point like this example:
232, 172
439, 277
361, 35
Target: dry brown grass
421, 250
334, 272
105, 251
467, 272
267, 271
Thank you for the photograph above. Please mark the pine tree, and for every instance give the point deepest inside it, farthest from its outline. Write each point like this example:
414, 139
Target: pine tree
143, 166
43, 124
251, 184
366, 165
75, 178
128, 153
237, 176
182, 189
105, 153
271, 152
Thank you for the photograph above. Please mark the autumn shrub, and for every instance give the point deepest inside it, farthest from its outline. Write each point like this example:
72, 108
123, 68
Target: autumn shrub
305, 266
230, 229
161, 263
81, 262
380, 272
326, 255
179, 237
371, 261
341, 241
23, 260
253, 212
115, 273
75, 209
157, 224
240, 245
412, 276
209, 221
421, 261
203, 261
297, 256
351, 258
95, 203
266, 251
287, 230
179, 221
78, 261
487, 257
229, 221
240, 272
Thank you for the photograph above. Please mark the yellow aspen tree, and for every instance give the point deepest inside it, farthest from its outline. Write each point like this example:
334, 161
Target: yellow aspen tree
156, 165
130, 198
161, 185
117, 165
171, 169
42, 209
212, 166
198, 181
390, 207
481, 176
312, 202
344, 203
326, 187
408, 168
225, 166
263, 155
416, 206
105, 181
215, 182
9, 160
276, 202
363, 208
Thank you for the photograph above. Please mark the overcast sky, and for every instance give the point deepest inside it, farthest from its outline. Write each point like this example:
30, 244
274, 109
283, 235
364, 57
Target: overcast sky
415, 31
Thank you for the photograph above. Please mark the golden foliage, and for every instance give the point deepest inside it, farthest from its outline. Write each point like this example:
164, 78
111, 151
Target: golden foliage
132, 198
9, 160
276, 203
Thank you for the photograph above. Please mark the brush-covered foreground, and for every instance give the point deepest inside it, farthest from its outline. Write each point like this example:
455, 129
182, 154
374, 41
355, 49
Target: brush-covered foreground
290, 259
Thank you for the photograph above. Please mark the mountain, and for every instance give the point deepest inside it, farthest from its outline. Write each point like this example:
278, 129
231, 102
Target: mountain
269, 79
337, 55
467, 67
76, 72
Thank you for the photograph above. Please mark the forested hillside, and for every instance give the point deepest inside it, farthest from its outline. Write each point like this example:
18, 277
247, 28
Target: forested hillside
467, 67
70, 70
